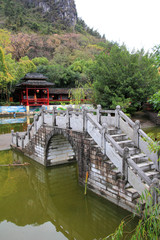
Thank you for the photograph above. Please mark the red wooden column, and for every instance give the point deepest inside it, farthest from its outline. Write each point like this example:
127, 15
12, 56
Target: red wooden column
27, 96
47, 96
21, 97
27, 102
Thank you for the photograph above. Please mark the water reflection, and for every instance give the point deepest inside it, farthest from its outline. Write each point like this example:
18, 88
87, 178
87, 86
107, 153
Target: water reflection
34, 195
18, 124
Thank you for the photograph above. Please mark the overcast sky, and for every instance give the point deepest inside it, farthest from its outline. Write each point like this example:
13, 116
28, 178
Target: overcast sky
133, 22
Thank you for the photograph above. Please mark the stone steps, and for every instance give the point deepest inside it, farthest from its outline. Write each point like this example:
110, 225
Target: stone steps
139, 158
152, 174
59, 159
114, 131
136, 155
120, 137
126, 143
146, 166
132, 192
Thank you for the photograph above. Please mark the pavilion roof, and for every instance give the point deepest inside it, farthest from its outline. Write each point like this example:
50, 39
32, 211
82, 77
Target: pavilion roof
59, 90
34, 80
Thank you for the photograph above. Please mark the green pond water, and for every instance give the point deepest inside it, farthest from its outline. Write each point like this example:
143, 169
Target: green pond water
38, 203
18, 124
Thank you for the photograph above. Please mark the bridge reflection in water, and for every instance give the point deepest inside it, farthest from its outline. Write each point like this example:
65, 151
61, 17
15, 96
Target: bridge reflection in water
35, 195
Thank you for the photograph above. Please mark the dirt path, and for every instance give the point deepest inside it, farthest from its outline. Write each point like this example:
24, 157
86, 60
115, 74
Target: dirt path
144, 120
5, 140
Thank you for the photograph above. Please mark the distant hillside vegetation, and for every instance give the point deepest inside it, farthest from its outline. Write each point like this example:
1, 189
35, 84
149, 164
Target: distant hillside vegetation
42, 16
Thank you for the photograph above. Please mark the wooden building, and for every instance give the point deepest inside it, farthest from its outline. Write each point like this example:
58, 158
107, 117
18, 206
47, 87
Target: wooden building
59, 95
33, 90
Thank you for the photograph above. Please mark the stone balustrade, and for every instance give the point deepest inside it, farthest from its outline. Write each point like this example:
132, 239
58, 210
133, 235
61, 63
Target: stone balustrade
98, 124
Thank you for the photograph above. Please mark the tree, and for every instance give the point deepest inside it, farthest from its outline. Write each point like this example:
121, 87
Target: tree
119, 74
11, 72
40, 61
21, 44
5, 77
61, 76
81, 92
156, 55
4, 38
148, 227
155, 101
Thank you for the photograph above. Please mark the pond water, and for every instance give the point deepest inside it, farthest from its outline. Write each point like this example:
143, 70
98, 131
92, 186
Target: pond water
18, 124
48, 203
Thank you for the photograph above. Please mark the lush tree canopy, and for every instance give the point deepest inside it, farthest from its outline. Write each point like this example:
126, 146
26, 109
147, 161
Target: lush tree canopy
121, 75
70, 59
11, 72
61, 76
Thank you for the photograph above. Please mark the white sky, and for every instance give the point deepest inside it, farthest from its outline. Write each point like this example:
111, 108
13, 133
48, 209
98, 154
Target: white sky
133, 22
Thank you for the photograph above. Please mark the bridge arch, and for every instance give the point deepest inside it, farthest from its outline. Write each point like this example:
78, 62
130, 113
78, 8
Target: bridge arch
63, 146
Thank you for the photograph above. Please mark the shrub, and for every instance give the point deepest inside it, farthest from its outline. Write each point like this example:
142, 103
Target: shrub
155, 101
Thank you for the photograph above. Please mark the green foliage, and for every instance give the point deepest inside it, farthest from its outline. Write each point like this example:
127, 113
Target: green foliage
82, 27
40, 61
5, 77
76, 95
11, 72
118, 233
154, 146
23, 16
9, 103
61, 76
4, 38
121, 75
148, 227
156, 55
15, 14
123, 103
155, 101
20, 17
59, 102
81, 92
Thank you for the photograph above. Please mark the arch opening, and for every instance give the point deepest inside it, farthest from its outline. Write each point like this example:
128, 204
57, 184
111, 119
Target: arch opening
59, 151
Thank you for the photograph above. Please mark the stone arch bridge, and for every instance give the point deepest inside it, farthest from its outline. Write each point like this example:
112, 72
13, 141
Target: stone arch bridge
106, 143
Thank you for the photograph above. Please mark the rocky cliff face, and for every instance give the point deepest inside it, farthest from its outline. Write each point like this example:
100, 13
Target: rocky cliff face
63, 11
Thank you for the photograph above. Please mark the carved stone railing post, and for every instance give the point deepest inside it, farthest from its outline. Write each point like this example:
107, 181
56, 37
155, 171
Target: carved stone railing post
84, 116
35, 123
109, 121
158, 163
43, 111
28, 132
17, 135
103, 140
125, 163
67, 118
12, 132
154, 190
22, 142
99, 108
117, 117
136, 133
54, 116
